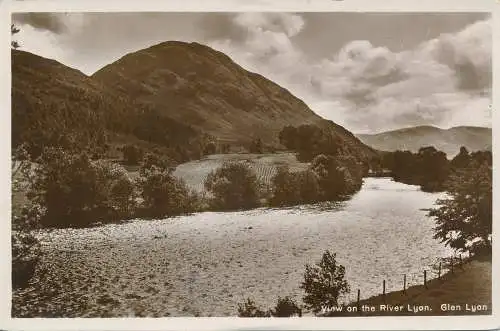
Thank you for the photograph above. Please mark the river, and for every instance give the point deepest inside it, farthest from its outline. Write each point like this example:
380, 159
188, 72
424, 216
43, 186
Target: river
205, 264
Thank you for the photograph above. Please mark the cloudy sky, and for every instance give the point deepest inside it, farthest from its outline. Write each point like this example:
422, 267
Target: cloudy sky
369, 72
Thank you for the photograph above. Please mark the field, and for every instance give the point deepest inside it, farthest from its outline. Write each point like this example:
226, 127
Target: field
265, 166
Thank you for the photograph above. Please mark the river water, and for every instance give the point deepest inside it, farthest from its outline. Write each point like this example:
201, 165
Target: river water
205, 264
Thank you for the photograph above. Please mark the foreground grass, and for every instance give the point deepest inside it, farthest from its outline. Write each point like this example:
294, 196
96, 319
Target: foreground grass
467, 291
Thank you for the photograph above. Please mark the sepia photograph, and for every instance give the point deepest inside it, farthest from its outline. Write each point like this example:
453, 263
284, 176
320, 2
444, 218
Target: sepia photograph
251, 164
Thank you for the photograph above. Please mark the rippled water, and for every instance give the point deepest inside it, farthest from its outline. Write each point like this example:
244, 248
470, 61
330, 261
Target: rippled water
205, 264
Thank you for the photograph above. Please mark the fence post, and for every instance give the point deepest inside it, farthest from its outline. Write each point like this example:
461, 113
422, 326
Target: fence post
461, 264
383, 289
357, 305
404, 283
439, 271
425, 278
451, 263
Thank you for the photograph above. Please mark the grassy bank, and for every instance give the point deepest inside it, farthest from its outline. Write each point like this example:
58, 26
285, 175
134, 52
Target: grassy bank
467, 291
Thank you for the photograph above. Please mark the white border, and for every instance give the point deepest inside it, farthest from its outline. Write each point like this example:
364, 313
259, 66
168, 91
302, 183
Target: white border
342, 323
253, 5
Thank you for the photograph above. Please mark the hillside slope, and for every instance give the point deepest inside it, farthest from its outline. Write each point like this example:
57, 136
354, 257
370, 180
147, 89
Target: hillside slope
446, 140
53, 104
198, 85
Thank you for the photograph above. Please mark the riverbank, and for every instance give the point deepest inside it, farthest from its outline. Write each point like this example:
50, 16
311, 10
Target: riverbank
466, 291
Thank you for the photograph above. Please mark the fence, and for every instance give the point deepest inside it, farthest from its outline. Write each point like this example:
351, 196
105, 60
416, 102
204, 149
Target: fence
451, 265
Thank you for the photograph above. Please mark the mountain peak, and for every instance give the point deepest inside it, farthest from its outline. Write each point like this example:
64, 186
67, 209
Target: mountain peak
194, 83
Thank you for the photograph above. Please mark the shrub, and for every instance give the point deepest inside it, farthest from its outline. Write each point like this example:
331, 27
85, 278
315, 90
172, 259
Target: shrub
324, 284
132, 155
155, 159
162, 193
256, 146
294, 188
29, 218
233, 186
332, 178
114, 190
210, 148
286, 307
338, 176
72, 189
25, 256
249, 309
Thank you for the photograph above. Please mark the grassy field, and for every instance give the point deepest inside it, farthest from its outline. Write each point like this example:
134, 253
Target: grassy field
265, 166
466, 291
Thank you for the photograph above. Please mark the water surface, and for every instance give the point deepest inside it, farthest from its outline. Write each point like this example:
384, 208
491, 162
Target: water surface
205, 264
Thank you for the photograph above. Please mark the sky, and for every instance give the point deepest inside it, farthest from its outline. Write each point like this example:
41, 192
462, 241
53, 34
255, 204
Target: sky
369, 72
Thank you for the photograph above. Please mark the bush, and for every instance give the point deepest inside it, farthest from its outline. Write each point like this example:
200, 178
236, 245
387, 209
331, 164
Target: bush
294, 188
114, 190
324, 284
286, 307
233, 186
72, 189
162, 193
132, 155
249, 309
25, 256
338, 176
210, 148
29, 218
256, 146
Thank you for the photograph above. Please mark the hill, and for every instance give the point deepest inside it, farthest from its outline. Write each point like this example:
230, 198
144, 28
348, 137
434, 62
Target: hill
196, 84
446, 140
174, 97
53, 104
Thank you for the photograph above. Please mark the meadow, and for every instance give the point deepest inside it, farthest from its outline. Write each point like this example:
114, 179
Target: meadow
265, 166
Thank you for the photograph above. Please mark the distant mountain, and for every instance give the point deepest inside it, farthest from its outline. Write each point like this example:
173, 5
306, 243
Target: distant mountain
446, 140
196, 84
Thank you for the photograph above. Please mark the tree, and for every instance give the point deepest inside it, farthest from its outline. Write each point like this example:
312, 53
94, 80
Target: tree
256, 146
26, 251
132, 155
433, 168
295, 188
210, 148
162, 193
332, 177
324, 283
250, 309
465, 216
73, 189
286, 307
20, 165
310, 140
13, 30
233, 186
461, 160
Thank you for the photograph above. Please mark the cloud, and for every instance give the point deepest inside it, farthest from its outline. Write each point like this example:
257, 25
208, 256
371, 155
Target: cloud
43, 21
361, 85
445, 81
468, 53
